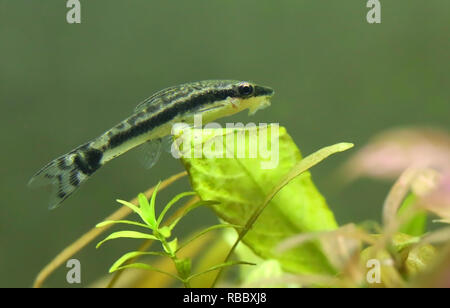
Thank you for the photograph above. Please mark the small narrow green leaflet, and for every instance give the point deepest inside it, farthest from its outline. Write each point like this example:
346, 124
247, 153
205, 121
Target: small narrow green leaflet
417, 225
241, 186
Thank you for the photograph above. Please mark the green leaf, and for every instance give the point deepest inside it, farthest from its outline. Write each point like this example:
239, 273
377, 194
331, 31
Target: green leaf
127, 234
149, 268
420, 259
135, 209
416, 256
241, 252
147, 210
165, 231
190, 208
131, 255
128, 222
264, 274
152, 203
401, 241
416, 226
442, 221
242, 186
172, 202
220, 266
174, 223
171, 247
183, 267
215, 227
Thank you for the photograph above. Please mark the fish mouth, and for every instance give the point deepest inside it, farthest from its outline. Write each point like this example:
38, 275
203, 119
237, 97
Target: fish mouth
264, 91
261, 102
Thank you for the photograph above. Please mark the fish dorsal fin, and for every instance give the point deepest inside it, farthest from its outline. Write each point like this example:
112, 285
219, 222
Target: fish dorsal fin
156, 99
152, 100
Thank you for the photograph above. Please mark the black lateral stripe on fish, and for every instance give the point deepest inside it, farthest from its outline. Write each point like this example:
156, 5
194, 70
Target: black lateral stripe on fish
152, 120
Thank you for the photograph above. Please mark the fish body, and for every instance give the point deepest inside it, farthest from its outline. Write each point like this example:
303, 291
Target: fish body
152, 120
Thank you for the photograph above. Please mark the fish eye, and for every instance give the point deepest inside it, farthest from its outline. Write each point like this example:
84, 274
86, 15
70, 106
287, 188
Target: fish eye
245, 89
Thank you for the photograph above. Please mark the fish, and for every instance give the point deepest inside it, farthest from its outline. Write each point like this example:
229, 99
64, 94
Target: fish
151, 121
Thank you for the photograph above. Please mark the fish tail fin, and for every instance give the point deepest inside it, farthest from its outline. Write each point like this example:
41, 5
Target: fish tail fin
66, 173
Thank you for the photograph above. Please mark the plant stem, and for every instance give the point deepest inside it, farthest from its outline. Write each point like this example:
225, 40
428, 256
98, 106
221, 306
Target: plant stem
173, 256
148, 243
186, 284
88, 237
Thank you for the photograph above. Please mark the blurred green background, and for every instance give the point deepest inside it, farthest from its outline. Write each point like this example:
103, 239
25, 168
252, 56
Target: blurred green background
337, 78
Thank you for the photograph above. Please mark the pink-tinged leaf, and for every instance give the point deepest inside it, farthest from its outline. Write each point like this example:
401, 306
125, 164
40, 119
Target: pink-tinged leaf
339, 245
397, 194
438, 199
421, 182
390, 153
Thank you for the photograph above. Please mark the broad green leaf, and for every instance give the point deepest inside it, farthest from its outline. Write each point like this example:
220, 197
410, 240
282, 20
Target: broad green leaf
296, 171
127, 234
131, 255
172, 202
242, 251
241, 186
128, 222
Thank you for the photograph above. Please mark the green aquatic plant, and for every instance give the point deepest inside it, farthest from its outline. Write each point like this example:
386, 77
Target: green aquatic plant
262, 195
162, 234
277, 220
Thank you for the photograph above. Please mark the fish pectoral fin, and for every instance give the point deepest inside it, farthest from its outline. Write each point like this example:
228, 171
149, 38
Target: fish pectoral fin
166, 143
151, 151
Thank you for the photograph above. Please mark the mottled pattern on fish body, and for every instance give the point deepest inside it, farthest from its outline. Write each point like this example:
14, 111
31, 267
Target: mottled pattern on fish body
153, 119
